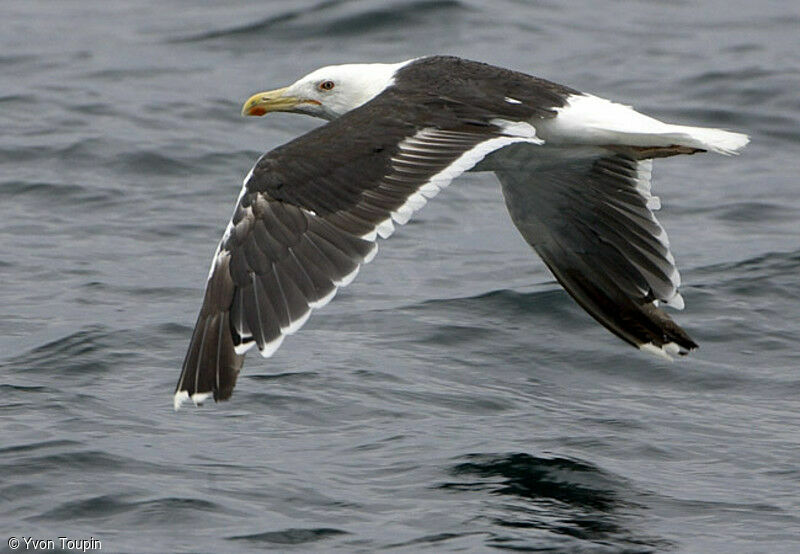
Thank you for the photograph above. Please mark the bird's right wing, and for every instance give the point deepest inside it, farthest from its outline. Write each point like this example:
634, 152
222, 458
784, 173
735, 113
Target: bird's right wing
588, 212
308, 217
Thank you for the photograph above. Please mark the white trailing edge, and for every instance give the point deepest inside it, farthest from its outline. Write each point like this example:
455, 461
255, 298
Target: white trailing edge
413, 151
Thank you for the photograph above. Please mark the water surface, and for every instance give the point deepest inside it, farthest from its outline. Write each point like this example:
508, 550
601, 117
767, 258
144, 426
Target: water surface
453, 398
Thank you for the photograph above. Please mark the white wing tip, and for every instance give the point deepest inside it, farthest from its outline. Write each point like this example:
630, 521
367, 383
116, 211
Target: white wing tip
241, 349
347, 279
666, 352
295, 325
199, 397
269, 348
182, 396
317, 304
385, 228
676, 302
371, 255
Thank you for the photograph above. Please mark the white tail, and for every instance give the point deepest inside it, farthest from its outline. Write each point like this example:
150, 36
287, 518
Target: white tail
590, 119
714, 140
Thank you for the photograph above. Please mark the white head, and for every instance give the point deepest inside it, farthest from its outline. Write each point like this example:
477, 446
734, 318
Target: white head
328, 92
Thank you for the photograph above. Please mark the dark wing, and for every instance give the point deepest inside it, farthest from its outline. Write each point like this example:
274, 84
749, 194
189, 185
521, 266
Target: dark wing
275, 263
588, 213
309, 215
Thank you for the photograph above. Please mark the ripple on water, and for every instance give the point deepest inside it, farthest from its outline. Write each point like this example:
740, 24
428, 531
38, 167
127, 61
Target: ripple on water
290, 536
99, 508
552, 501
334, 18
64, 193
84, 351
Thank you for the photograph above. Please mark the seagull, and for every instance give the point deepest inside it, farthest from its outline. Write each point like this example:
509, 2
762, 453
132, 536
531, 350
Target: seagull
574, 171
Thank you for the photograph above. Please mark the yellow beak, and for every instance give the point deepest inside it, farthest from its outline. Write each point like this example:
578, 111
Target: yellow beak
270, 101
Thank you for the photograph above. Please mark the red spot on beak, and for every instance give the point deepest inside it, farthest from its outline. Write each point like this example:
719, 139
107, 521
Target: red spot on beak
256, 110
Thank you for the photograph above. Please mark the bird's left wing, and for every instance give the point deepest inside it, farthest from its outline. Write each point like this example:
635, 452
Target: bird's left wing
588, 212
308, 217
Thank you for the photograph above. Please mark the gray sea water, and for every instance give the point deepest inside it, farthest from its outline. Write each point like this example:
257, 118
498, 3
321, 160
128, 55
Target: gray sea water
453, 398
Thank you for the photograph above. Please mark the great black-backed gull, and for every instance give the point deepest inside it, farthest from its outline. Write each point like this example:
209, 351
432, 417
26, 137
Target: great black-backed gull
575, 174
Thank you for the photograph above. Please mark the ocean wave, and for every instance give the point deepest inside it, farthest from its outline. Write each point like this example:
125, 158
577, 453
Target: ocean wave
326, 19
553, 498
291, 536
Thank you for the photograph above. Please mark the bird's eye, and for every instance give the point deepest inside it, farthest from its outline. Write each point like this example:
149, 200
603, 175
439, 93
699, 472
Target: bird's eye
326, 85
